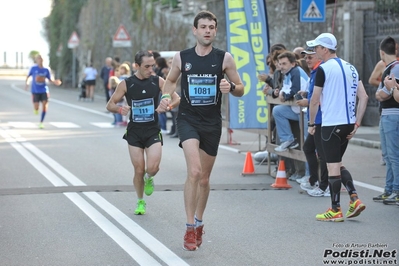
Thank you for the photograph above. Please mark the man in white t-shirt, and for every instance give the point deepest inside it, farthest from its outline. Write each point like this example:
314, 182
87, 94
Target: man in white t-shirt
337, 85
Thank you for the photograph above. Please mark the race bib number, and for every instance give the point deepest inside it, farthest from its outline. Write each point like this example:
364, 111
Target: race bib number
202, 90
40, 79
143, 110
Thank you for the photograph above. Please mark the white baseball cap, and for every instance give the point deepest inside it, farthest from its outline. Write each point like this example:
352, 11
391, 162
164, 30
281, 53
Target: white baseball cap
326, 40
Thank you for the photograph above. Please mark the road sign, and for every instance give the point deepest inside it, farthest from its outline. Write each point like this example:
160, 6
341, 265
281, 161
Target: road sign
312, 11
121, 38
73, 40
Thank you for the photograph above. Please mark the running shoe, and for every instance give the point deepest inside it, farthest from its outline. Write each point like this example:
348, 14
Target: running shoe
330, 216
304, 179
307, 186
140, 210
190, 241
284, 146
392, 199
327, 192
318, 192
382, 197
36, 112
294, 177
355, 208
149, 185
199, 231
41, 126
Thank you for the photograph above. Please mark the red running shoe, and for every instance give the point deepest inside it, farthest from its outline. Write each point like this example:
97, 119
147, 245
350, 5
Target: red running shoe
190, 243
200, 232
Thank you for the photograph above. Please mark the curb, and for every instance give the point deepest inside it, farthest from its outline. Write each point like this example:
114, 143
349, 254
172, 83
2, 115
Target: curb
366, 143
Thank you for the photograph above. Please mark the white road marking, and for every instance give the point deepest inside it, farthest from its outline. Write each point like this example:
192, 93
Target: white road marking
22, 124
103, 124
64, 125
136, 252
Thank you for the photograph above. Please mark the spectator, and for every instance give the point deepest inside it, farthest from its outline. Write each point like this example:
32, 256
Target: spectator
89, 76
313, 142
336, 87
105, 74
295, 80
389, 120
160, 70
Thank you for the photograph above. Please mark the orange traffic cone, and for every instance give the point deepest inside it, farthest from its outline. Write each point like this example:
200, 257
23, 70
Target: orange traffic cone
248, 165
281, 179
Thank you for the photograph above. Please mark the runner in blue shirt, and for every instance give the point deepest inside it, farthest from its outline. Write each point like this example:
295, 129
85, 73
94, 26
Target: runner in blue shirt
39, 89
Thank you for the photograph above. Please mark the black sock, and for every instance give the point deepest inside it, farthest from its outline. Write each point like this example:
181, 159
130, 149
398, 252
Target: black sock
347, 181
335, 190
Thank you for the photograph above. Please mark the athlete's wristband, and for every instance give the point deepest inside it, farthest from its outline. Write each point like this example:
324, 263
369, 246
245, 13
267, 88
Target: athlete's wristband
166, 96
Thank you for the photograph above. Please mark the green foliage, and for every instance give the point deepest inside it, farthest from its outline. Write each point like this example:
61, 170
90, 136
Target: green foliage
387, 6
59, 26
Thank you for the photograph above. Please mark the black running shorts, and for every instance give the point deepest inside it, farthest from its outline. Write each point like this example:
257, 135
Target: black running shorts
39, 97
334, 141
207, 135
143, 137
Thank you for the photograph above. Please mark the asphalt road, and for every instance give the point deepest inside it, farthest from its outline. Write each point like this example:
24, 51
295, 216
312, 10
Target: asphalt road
66, 198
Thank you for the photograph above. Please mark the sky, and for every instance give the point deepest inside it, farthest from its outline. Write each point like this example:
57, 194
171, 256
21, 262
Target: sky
21, 29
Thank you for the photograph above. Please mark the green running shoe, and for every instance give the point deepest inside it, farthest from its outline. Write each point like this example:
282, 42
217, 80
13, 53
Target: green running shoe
355, 208
140, 210
41, 126
149, 186
330, 216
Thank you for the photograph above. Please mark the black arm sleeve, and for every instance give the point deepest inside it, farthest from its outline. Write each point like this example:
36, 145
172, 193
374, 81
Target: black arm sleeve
320, 77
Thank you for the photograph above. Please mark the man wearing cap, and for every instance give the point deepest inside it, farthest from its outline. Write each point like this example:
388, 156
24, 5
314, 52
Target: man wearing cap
313, 142
336, 87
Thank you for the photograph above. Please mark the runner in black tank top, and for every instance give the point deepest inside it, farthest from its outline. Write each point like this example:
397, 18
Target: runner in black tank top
143, 134
199, 120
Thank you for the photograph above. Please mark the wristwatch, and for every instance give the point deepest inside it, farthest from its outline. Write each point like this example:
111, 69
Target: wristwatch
232, 86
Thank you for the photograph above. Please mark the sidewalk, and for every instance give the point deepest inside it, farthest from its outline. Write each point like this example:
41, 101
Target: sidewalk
247, 140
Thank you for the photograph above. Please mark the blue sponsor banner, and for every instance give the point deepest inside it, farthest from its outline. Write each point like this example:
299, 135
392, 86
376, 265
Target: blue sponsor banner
248, 42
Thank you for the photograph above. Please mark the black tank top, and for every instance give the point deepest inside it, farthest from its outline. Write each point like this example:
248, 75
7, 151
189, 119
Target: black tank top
200, 92
390, 103
142, 95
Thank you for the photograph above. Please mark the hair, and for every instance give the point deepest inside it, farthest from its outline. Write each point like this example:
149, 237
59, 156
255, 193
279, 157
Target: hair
138, 58
113, 81
276, 53
156, 54
126, 67
205, 15
161, 62
276, 47
302, 63
388, 46
289, 55
271, 64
